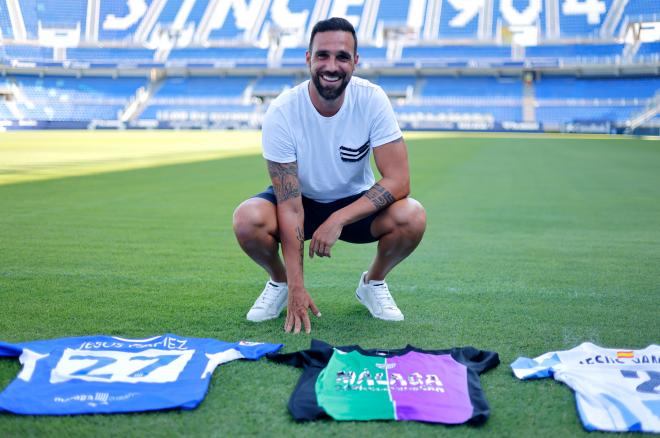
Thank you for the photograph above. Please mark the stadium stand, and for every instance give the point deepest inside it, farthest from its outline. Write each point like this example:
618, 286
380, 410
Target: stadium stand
430, 56
190, 101
446, 64
271, 86
575, 54
221, 56
553, 87
649, 51
23, 52
229, 87
579, 21
472, 87
119, 20
396, 86
117, 55
640, 10
64, 98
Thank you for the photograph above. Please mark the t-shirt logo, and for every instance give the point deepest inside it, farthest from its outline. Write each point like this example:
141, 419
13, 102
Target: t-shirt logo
352, 155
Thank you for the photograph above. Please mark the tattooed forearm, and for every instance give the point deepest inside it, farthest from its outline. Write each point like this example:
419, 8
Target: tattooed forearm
285, 180
379, 196
300, 235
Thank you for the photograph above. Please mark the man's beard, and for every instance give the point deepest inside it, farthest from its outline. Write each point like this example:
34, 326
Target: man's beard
329, 93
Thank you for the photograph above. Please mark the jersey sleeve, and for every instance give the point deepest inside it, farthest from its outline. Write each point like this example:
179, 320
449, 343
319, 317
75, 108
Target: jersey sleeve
276, 139
255, 350
538, 368
384, 127
9, 350
478, 360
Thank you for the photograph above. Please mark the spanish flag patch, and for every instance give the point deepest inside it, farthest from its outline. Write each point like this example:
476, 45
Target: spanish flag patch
624, 355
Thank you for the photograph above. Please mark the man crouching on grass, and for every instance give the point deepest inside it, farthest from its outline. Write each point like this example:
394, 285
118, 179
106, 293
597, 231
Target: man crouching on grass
317, 140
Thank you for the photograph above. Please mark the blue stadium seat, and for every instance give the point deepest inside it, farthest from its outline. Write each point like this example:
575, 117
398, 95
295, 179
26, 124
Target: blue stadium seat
24, 52
115, 55
6, 30
272, 85
445, 55
396, 85
581, 22
294, 57
649, 51
569, 87
641, 9
30, 18
5, 114
117, 22
60, 14
585, 113
62, 111
65, 98
465, 86
599, 53
228, 56
372, 56
204, 87
449, 29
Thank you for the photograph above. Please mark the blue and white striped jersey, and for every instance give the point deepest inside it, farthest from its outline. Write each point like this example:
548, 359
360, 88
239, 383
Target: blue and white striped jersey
107, 374
616, 390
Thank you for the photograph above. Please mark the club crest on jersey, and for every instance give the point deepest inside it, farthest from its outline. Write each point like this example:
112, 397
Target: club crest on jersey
385, 366
354, 154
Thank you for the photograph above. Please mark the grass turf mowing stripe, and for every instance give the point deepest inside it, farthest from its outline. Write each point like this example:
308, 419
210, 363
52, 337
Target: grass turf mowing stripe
37, 155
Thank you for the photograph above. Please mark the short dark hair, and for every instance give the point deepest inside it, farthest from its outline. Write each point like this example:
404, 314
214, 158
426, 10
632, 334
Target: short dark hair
331, 24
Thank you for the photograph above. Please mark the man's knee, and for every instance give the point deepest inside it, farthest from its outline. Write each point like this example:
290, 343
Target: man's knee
253, 217
410, 217
406, 218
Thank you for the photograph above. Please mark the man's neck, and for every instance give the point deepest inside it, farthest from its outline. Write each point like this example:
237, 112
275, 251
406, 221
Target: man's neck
327, 108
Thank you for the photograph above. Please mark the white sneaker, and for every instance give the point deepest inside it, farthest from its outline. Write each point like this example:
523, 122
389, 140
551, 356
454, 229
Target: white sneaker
376, 297
270, 303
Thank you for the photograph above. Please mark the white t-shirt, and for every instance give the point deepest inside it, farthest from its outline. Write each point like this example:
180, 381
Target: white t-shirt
332, 152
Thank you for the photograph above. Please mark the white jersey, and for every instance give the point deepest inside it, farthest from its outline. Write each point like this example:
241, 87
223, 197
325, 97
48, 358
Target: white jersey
616, 390
332, 153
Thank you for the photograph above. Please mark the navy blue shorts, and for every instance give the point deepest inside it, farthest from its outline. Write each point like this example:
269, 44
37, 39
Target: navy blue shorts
317, 212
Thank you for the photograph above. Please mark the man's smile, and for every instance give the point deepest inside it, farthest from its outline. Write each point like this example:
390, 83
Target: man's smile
331, 77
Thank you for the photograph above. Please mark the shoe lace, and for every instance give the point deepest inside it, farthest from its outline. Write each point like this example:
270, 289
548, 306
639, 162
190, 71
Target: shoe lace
269, 295
383, 296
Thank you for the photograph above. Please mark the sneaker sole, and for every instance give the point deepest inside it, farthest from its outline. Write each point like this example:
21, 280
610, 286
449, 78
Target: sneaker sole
263, 319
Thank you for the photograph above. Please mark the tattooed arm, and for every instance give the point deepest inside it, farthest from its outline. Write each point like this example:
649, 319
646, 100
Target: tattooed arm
290, 219
392, 162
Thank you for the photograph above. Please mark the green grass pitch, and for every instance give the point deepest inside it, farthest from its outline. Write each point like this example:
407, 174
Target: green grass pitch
534, 244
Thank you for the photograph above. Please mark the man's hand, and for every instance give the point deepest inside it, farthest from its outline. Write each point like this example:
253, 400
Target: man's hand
324, 237
296, 313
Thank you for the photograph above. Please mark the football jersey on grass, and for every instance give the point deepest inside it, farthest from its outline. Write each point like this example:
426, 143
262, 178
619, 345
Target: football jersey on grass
350, 383
108, 374
616, 390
